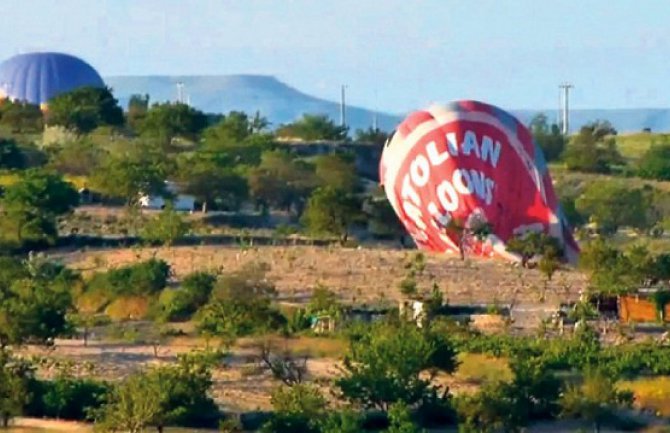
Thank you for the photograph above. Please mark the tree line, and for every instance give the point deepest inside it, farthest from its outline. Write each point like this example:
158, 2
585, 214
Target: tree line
224, 161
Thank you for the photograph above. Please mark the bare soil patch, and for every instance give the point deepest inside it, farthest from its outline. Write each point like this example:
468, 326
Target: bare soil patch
358, 275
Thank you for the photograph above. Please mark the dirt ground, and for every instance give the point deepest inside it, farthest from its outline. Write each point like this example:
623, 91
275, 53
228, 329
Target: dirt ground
239, 383
364, 275
358, 275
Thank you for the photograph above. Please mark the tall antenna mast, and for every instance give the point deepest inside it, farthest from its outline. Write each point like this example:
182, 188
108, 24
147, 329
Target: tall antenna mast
566, 89
374, 114
343, 121
180, 92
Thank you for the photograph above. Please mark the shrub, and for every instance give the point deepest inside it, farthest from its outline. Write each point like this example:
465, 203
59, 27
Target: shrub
65, 397
241, 304
148, 277
128, 308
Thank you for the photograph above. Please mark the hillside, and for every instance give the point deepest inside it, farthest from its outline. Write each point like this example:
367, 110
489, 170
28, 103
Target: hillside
277, 101
281, 103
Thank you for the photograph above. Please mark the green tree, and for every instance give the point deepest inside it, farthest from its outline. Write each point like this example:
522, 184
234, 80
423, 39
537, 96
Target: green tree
32, 204
382, 219
313, 127
80, 157
655, 162
21, 117
331, 212
281, 182
593, 149
401, 420
608, 268
144, 278
170, 120
240, 304
612, 205
549, 138
142, 170
35, 297
14, 378
213, 185
299, 408
194, 292
533, 244
534, 388
85, 109
385, 363
67, 397
130, 406
184, 393
371, 135
166, 227
491, 409
236, 139
336, 171
596, 399
346, 421
138, 106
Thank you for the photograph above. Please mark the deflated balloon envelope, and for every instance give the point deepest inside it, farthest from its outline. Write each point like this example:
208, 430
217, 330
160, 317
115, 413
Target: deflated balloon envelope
448, 170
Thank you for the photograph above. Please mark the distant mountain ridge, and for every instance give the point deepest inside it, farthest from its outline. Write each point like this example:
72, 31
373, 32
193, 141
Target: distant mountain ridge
281, 103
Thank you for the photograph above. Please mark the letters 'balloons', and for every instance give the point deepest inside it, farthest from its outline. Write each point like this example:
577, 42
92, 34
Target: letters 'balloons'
469, 176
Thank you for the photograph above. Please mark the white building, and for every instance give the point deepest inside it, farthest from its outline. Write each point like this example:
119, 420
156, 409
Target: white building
183, 202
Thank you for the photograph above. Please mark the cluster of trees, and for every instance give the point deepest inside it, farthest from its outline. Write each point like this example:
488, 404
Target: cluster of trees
613, 271
224, 161
35, 298
594, 150
613, 203
591, 150
175, 394
31, 207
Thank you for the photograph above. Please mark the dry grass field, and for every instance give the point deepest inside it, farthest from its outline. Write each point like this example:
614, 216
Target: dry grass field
363, 275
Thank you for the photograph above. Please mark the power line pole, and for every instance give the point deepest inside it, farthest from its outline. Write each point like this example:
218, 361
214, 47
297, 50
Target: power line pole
566, 90
180, 92
343, 120
374, 114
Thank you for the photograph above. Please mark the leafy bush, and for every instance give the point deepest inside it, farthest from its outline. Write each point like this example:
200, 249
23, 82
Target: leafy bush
181, 304
241, 304
129, 308
385, 363
144, 278
655, 162
165, 228
65, 397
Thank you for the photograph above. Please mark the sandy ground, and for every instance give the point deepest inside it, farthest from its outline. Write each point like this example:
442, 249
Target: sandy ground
358, 275
240, 384
365, 275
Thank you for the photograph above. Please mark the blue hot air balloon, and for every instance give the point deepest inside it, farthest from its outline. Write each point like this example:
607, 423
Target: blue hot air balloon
38, 77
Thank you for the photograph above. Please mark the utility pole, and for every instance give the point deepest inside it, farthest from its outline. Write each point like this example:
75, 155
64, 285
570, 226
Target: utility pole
374, 114
180, 92
566, 90
343, 120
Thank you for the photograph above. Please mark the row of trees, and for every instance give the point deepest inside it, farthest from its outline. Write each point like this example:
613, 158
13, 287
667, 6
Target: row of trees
234, 164
594, 150
87, 108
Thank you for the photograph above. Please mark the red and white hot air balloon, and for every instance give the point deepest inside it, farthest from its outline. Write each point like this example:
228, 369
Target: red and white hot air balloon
448, 169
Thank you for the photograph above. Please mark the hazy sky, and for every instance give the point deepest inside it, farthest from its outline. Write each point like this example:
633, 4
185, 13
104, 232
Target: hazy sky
394, 55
